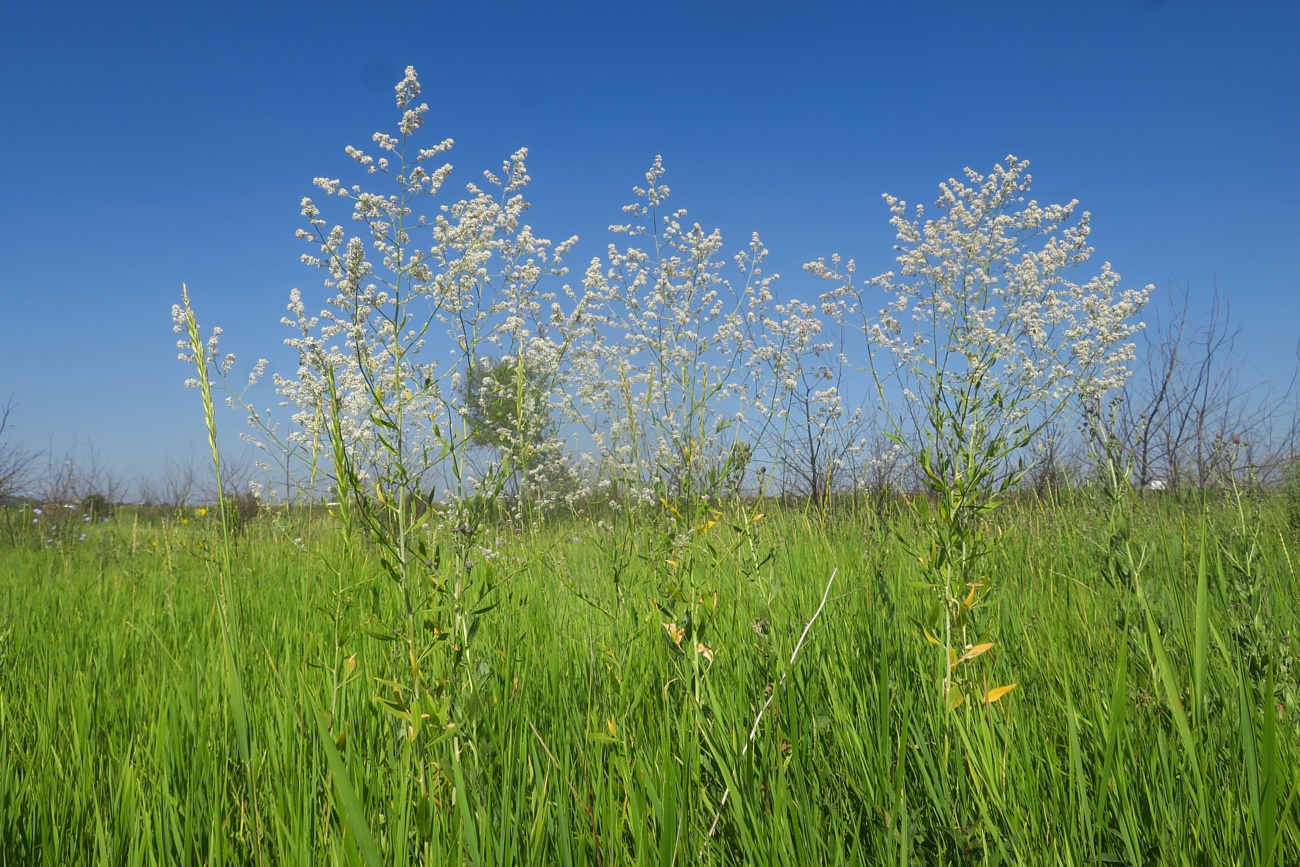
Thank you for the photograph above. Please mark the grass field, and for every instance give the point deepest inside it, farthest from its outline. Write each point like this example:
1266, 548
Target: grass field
1153, 719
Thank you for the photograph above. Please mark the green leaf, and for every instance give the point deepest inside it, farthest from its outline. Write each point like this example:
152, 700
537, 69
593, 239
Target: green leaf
1114, 726
398, 710
469, 830
1202, 642
352, 813
238, 704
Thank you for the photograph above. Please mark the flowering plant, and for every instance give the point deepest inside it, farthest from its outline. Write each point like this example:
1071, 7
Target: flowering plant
671, 384
987, 341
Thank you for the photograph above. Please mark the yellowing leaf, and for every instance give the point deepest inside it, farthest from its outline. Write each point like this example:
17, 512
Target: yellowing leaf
707, 525
675, 633
706, 652
757, 517
673, 563
970, 597
997, 692
612, 725
975, 651
955, 698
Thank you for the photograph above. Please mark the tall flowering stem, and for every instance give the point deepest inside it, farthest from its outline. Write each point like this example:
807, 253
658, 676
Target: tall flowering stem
202, 355
383, 380
419, 297
671, 392
672, 386
981, 341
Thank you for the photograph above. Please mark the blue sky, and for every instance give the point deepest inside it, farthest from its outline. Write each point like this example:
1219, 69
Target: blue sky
146, 145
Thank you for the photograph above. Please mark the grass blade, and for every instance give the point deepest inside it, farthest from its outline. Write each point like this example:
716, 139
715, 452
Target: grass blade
352, 812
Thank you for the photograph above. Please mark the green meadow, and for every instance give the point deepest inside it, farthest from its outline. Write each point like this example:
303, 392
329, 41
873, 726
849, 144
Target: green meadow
158, 706
545, 612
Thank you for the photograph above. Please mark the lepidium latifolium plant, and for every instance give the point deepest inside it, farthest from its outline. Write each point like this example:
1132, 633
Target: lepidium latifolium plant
673, 383
977, 345
670, 399
672, 386
384, 405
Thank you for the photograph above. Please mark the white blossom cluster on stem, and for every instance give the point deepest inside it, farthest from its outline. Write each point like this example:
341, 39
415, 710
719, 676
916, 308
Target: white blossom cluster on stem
420, 294
670, 385
984, 303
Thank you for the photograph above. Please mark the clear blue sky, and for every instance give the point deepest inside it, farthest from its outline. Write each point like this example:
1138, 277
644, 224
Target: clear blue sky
148, 144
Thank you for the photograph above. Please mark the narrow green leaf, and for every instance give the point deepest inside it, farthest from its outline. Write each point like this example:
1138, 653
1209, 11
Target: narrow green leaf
1076, 767
382, 421
1114, 726
469, 829
1201, 649
352, 812
1172, 689
1269, 764
235, 685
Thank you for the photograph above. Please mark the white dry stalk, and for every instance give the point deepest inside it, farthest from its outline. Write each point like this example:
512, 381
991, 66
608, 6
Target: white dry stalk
753, 731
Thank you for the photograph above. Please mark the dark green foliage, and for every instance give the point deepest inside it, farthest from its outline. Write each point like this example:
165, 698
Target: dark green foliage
239, 510
507, 405
96, 505
1291, 496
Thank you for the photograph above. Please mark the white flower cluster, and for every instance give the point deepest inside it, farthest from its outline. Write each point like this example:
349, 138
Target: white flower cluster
417, 299
445, 330
983, 307
668, 379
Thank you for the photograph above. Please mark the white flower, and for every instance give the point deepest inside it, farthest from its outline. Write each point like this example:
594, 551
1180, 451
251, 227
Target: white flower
984, 305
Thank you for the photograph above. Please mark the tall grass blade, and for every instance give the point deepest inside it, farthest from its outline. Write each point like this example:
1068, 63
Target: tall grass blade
1114, 728
1172, 689
1200, 651
353, 815
235, 686
464, 804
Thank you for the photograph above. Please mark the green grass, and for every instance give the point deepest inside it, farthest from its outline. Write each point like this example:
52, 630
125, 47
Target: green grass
1150, 724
